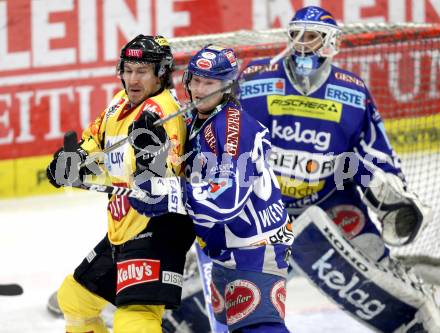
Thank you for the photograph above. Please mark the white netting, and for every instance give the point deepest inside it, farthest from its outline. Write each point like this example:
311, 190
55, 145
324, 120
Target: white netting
399, 63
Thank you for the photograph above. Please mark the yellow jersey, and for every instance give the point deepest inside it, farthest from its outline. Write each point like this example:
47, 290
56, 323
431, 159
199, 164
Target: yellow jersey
111, 126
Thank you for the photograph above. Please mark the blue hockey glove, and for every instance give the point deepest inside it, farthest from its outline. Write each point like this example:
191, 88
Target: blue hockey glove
164, 195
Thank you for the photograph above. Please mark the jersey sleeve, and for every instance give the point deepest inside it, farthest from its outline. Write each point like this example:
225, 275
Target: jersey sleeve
92, 136
373, 149
232, 164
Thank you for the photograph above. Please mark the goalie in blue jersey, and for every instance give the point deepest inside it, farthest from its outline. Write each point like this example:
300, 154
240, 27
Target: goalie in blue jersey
330, 149
233, 197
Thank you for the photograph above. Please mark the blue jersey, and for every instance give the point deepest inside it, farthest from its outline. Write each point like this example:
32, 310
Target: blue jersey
233, 197
320, 141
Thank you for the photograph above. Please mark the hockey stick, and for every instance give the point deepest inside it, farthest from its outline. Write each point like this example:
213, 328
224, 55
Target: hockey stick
284, 235
110, 189
70, 146
204, 265
193, 104
190, 106
12, 289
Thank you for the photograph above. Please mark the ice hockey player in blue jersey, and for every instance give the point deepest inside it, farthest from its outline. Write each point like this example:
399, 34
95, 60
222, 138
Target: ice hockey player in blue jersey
330, 149
233, 197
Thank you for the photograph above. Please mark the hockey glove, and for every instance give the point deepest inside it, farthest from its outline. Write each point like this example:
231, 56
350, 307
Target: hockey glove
64, 169
150, 144
401, 213
164, 195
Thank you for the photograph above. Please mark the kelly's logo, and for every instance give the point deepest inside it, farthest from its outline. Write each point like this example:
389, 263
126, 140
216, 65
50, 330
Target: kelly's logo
136, 271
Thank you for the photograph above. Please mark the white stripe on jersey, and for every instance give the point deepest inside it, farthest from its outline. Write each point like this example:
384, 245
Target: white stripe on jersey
368, 148
216, 208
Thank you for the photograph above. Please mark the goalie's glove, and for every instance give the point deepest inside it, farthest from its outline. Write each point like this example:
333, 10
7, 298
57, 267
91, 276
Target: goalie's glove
401, 213
164, 195
150, 144
64, 169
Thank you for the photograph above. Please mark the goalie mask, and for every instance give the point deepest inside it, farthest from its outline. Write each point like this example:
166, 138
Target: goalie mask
314, 37
213, 62
149, 49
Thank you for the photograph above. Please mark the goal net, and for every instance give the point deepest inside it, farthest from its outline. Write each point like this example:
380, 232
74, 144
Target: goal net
400, 64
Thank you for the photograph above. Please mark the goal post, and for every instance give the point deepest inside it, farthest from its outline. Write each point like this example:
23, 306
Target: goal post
400, 63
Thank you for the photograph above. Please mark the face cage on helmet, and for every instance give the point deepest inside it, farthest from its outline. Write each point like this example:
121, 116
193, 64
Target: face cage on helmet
330, 37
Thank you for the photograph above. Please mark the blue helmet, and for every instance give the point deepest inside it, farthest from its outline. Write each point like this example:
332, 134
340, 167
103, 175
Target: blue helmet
314, 36
314, 14
214, 62
317, 20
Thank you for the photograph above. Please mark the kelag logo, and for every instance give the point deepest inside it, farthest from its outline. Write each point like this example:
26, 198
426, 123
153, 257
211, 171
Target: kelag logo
262, 87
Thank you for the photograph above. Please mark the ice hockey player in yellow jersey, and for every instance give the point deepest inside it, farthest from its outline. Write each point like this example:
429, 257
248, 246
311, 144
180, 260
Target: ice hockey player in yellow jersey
138, 265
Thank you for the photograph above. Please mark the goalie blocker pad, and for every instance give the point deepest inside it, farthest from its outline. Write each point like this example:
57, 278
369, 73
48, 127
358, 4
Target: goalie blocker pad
379, 298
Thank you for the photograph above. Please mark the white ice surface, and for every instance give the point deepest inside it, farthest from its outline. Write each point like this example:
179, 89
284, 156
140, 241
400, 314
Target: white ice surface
42, 239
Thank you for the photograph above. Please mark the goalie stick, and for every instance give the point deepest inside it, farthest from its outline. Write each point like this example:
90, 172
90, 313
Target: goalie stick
12, 289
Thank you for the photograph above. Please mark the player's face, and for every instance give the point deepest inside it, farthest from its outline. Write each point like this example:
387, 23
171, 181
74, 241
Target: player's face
140, 81
306, 42
201, 87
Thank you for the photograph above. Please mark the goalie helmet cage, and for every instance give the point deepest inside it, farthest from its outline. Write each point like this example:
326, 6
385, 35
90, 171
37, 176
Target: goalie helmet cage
400, 64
